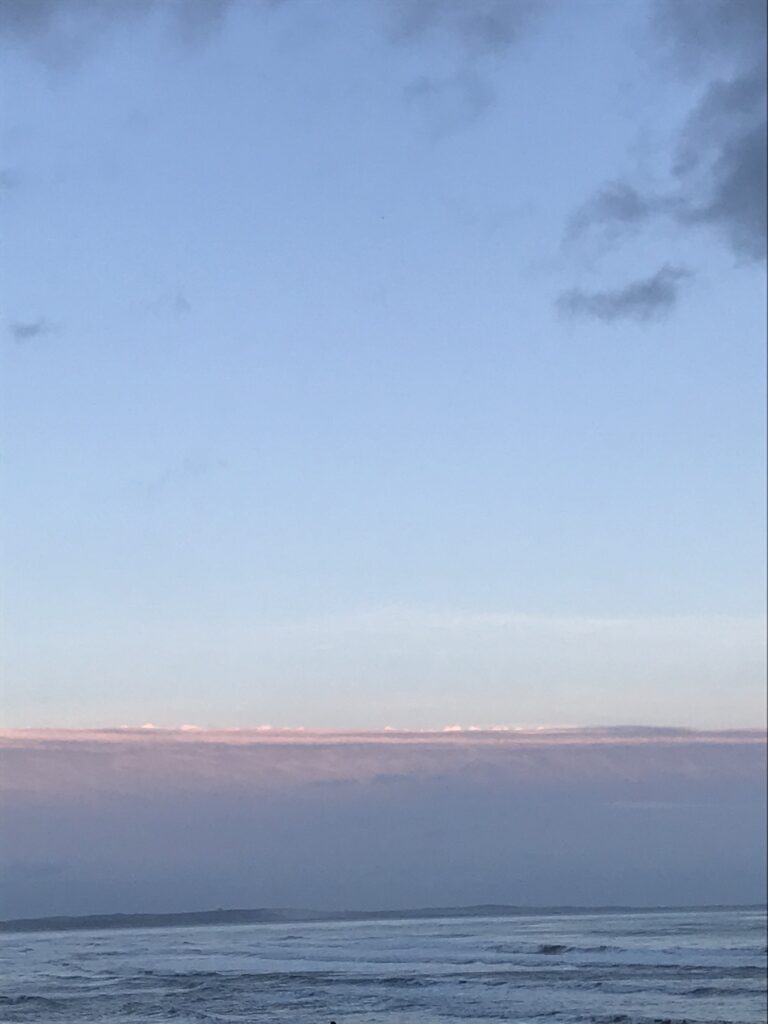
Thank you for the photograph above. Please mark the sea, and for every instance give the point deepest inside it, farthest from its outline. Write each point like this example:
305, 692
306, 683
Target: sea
603, 968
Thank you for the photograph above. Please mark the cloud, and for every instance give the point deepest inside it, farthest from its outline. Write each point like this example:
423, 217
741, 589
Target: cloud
721, 164
176, 303
645, 299
189, 760
718, 162
180, 820
62, 34
23, 331
195, 20
617, 207
9, 180
702, 34
474, 34
454, 101
482, 28
717, 165
192, 467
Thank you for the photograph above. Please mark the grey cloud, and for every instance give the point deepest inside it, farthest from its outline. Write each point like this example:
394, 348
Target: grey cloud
454, 101
181, 303
702, 33
9, 180
22, 18
615, 207
191, 467
481, 28
646, 299
61, 34
722, 164
28, 330
196, 19
718, 161
478, 32
720, 169
176, 303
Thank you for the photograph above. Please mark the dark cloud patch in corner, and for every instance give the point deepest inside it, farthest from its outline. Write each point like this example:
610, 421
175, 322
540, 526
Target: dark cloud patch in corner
700, 34
719, 178
649, 298
23, 331
718, 165
60, 34
721, 164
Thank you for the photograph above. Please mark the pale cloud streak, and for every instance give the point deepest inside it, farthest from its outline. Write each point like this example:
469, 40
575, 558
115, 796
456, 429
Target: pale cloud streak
425, 667
127, 760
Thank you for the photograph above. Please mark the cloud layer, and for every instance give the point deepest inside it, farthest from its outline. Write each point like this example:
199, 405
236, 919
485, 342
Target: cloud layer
172, 820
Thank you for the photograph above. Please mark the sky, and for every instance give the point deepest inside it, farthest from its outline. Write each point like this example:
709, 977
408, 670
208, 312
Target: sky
161, 821
383, 364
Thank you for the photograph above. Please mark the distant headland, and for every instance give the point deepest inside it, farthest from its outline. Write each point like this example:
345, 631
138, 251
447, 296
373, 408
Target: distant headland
202, 918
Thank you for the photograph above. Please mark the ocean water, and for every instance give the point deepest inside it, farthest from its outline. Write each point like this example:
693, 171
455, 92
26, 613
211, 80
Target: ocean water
635, 968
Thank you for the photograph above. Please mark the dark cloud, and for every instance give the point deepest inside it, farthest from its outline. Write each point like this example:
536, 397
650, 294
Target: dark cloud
700, 34
721, 164
718, 164
646, 299
29, 330
60, 33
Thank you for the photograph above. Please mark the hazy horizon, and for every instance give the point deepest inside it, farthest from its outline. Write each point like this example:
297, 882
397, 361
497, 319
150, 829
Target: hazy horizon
131, 820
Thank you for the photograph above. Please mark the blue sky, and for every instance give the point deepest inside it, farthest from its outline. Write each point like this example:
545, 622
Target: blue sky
333, 396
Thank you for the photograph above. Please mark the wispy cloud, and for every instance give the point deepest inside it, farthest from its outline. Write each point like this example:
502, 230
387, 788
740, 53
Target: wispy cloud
645, 299
23, 331
175, 303
126, 760
191, 467
476, 35
482, 28
63, 34
9, 180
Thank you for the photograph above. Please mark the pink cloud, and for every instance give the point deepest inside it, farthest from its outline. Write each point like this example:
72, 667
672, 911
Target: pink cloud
190, 759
